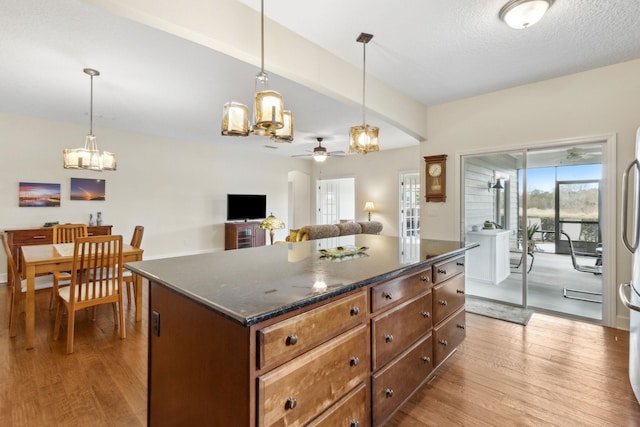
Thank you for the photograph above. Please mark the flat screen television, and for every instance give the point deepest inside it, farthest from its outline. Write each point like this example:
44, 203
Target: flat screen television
241, 207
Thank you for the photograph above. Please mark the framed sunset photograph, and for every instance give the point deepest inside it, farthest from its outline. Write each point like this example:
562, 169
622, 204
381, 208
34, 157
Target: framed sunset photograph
87, 189
35, 194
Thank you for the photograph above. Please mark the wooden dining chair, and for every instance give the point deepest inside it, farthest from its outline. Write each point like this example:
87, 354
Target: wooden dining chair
127, 276
18, 286
65, 233
96, 279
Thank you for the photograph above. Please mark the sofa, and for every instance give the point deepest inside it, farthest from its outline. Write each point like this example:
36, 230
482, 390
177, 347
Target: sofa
322, 231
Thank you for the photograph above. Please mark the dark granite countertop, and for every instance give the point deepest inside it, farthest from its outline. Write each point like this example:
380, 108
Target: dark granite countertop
255, 284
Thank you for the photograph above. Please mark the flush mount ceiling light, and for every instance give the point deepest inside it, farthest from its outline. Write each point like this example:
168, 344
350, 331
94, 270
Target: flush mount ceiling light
89, 157
521, 14
363, 139
269, 116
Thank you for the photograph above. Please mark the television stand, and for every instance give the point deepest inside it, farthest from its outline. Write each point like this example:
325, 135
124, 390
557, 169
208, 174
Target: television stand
247, 234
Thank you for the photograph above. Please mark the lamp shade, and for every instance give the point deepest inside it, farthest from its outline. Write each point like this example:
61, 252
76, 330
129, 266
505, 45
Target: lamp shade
286, 133
363, 139
520, 14
368, 207
269, 110
235, 119
271, 223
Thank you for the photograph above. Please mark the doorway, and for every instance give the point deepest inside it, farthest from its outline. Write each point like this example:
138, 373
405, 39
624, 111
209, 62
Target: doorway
515, 204
336, 200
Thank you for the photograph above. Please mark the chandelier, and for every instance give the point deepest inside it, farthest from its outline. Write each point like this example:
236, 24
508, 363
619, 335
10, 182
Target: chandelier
269, 116
89, 157
363, 139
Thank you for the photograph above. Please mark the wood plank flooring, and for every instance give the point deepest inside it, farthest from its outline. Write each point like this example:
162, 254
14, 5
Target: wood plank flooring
553, 372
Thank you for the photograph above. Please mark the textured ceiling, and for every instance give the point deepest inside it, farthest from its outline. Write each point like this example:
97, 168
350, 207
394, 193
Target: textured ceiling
155, 83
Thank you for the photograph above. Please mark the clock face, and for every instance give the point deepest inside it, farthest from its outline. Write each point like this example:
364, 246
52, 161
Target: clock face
435, 170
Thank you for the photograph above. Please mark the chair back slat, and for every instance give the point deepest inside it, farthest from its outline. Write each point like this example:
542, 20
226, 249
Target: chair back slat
68, 233
98, 263
136, 238
13, 276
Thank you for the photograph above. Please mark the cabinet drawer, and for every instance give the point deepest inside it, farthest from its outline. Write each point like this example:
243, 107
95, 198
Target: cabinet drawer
39, 236
299, 390
446, 269
448, 297
396, 382
448, 336
285, 340
395, 330
351, 411
402, 288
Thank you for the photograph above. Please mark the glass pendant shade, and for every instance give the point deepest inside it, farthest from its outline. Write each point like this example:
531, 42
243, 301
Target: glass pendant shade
363, 139
286, 133
269, 110
320, 156
235, 119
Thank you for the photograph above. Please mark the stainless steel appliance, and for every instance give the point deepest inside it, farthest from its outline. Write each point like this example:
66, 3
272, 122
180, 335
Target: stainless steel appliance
631, 228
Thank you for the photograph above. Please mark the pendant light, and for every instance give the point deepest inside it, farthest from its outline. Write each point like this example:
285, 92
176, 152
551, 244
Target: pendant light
89, 157
269, 117
363, 139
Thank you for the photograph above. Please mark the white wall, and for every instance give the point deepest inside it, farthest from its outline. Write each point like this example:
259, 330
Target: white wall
176, 189
596, 102
377, 180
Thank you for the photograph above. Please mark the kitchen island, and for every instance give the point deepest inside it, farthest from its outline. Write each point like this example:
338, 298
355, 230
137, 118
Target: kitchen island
291, 335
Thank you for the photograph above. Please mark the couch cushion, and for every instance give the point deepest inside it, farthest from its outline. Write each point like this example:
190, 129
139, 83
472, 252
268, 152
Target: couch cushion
371, 227
312, 232
347, 228
293, 236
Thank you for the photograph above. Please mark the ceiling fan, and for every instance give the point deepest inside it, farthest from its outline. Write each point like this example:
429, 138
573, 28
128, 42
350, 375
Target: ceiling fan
320, 153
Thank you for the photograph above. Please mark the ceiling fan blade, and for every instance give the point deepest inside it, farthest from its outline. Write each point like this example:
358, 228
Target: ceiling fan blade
338, 153
302, 155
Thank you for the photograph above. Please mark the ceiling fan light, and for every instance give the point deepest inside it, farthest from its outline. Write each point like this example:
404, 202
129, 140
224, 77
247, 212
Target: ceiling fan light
235, 119
363, 139
320, 156
268, 110
286, 133
520, 14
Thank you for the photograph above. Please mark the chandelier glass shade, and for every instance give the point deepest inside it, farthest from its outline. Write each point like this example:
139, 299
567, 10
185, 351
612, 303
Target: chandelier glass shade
363, 138
89, 157
269, 116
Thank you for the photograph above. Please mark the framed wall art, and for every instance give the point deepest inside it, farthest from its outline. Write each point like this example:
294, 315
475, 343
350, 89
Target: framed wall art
35, 194
87, 189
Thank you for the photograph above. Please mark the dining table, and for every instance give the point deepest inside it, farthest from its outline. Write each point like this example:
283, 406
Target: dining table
52, 258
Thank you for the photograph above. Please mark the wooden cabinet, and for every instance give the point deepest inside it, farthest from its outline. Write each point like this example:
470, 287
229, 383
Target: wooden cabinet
41, 236
238, 235
351, 360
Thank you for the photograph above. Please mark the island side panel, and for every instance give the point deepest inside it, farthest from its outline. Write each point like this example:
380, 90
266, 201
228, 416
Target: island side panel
199, 364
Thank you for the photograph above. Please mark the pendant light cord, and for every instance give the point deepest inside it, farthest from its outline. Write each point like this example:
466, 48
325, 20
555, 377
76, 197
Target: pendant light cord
91, 108
364, 74
262, 36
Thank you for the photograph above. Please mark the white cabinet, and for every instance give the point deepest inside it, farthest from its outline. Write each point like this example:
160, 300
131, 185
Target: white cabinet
489, 262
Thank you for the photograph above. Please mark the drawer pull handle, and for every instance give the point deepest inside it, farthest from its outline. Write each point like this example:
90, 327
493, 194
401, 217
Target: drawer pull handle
354, 423
354, 361
426, 314
355, 311
426, 359
292, 340
388, 392
291, 403
461, 326
442, 271
387, 295
460, 264
443, 342
388, 338
460, 291
442, 302
425, 279
39, 237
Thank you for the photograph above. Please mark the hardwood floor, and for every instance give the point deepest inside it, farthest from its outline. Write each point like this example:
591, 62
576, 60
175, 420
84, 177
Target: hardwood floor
552, 372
